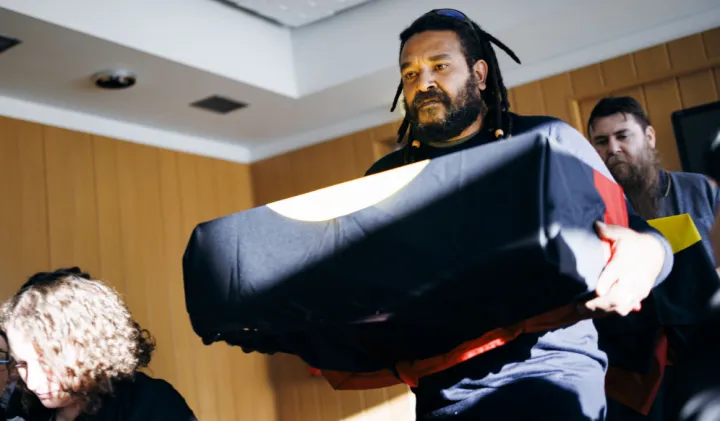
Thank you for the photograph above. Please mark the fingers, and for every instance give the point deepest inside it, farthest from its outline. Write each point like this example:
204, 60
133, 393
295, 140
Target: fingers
622, 284
614, 296
616, 300
607, 232
607, 278
607, 251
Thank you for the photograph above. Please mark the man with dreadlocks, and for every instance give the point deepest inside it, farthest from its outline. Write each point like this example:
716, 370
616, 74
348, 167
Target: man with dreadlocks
455, 99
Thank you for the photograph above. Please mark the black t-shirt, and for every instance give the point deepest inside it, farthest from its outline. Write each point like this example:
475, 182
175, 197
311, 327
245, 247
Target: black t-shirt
142, 399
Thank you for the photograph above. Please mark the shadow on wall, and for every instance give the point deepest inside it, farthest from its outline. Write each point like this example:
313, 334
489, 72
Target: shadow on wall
300, 396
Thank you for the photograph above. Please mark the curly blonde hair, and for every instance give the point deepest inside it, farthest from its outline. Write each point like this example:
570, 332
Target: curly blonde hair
82, 331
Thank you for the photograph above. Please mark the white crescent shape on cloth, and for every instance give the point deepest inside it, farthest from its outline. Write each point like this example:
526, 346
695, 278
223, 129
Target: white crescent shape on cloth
345, 198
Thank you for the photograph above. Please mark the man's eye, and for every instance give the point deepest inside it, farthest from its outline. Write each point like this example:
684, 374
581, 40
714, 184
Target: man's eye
409, 75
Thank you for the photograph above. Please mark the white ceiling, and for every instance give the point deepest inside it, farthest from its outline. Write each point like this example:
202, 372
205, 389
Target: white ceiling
296, 13
303, 85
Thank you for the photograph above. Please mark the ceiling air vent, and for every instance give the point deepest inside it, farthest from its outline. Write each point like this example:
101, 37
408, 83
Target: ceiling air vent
218, 104
7, 43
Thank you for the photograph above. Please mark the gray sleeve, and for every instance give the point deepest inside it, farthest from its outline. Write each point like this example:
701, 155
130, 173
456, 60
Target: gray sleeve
715, 196
573, 141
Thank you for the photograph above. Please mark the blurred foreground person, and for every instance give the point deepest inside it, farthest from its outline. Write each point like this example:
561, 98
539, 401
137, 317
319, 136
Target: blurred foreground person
78, 352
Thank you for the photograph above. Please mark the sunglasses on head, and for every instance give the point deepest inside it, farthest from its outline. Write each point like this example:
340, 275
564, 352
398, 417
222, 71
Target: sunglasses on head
451, 13
457, 15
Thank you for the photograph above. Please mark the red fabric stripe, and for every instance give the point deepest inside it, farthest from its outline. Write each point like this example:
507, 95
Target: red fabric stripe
614, 198
411, 372
635, 390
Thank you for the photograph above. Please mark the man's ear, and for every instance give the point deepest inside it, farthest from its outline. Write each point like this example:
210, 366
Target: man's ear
650, 135
481, 71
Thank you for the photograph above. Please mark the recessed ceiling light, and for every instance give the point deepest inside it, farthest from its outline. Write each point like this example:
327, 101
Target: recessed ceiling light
115, 79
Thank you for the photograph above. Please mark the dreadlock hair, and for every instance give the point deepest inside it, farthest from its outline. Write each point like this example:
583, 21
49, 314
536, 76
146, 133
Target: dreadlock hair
476, 45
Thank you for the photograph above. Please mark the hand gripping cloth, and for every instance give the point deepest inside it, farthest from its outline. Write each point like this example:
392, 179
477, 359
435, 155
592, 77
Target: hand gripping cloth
408, 264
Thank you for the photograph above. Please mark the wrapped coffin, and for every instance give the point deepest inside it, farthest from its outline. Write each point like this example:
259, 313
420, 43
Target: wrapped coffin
405, 264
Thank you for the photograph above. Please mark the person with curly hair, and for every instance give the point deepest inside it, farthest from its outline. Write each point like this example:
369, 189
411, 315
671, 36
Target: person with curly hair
78, 350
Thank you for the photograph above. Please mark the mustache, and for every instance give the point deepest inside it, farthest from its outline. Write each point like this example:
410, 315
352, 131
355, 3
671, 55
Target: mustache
422, 97
613, 160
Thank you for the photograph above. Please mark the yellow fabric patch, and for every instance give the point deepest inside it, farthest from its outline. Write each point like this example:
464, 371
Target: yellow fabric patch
679, 230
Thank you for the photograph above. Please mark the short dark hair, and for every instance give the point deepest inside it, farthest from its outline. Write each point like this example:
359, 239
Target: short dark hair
476, 45
619, 105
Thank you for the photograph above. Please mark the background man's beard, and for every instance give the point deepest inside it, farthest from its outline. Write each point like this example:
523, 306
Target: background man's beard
640, 181
459, 114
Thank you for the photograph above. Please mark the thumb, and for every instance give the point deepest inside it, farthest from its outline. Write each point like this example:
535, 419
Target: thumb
606, 232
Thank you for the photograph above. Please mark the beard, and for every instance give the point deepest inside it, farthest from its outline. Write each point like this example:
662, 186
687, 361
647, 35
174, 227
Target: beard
639, 179
452, 117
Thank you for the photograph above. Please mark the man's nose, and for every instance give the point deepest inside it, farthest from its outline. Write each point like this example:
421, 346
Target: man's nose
613, 146
427, 81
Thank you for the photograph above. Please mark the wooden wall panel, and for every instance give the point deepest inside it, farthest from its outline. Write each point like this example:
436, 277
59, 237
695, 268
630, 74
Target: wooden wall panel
662, 99
70, 181
321, 165
652, 62
558, 89
302, 397
124, 212
586, 81
687, 53
110, 232
694, 88
529, 99
617, 71
23, 214
711, 39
